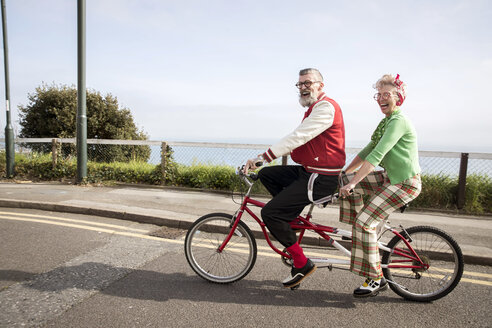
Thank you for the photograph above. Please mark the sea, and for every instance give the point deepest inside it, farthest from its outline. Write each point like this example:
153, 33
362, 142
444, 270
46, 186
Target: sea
236, 157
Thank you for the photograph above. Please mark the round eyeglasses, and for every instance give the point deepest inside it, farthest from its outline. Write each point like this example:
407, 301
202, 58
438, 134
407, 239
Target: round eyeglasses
385, 96
306, 83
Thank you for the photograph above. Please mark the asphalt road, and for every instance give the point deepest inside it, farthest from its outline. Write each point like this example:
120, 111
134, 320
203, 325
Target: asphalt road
68, 270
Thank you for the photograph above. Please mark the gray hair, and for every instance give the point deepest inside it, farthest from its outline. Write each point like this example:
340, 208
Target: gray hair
311, 70
387, 79
401, 87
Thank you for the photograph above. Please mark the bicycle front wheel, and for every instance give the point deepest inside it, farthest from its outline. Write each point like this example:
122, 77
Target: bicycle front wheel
202, 244
436, 249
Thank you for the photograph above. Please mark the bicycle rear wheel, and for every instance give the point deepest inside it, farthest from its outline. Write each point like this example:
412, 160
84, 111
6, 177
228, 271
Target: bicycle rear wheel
435, 248
205, 237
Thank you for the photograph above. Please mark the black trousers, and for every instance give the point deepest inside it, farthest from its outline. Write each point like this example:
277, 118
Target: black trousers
288, 186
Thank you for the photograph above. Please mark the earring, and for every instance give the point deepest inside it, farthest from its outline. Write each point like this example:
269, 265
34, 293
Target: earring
400, 100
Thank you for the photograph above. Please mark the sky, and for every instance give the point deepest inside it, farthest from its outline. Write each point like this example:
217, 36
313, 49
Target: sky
224, 70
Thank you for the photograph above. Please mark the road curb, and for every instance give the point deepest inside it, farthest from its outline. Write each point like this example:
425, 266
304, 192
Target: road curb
54, 207
173, 223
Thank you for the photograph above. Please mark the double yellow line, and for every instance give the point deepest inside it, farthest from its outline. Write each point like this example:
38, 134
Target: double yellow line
83, 224
143, 234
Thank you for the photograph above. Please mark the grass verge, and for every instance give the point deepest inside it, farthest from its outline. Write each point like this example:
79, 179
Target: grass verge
438, 191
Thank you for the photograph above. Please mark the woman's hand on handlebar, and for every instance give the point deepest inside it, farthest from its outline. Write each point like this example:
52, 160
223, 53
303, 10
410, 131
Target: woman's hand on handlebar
362, 172
346, 190
252, 164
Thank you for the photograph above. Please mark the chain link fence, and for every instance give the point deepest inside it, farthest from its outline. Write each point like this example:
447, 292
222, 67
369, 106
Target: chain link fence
104, 151
440, 170
194, 153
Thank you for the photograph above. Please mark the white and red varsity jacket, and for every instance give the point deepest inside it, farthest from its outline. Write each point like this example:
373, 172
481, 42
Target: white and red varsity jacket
318, 143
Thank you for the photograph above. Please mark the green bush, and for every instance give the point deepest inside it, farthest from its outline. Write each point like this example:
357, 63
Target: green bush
219, 177
478, 194
438, 191
3, 161
56, 106
216, 177
128, 172
40, 167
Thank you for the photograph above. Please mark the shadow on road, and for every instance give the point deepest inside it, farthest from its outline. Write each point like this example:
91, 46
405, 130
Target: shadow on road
157, 286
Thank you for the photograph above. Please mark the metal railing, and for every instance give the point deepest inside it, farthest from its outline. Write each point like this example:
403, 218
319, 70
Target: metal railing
453, 164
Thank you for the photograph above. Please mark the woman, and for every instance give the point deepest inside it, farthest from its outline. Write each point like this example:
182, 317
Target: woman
393, 146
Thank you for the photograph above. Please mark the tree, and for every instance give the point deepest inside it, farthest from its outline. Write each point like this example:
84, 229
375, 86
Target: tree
52, 113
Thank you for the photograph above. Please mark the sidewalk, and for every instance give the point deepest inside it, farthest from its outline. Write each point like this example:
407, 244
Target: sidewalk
179, 208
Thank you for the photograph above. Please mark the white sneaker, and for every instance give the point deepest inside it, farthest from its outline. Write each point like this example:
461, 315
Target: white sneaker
371, 287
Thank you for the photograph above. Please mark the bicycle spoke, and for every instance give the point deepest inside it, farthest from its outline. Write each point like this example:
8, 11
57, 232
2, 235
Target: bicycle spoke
442, 269
202, 249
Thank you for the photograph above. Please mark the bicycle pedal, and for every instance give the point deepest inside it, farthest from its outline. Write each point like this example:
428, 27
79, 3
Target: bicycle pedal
295, 287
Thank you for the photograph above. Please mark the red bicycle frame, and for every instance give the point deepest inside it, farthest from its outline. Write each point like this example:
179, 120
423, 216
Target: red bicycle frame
303, 223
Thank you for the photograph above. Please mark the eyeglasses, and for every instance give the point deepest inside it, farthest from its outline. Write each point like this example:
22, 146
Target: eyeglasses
306, 83
385, 96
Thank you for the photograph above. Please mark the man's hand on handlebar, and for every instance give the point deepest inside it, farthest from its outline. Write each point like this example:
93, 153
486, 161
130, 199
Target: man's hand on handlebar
252, 164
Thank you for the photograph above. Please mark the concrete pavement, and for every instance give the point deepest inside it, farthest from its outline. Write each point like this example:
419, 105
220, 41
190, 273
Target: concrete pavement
180, 207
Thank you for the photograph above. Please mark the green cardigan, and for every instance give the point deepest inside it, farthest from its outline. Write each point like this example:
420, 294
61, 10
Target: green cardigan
397, 149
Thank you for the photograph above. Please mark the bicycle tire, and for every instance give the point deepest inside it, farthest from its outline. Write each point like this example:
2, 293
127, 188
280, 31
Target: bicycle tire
204, 238
434, 247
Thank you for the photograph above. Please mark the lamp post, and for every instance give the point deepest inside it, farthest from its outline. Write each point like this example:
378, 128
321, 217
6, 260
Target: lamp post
9, 131
81, 95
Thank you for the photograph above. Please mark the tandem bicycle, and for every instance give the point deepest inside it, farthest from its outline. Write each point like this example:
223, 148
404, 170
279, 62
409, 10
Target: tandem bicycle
420, 263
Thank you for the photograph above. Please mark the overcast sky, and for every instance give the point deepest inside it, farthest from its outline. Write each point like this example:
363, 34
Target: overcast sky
225, 70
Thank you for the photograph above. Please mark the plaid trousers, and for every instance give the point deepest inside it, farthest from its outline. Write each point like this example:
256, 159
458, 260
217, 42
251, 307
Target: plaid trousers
364, 218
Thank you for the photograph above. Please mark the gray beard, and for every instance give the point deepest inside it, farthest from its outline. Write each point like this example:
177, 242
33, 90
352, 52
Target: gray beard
306, 102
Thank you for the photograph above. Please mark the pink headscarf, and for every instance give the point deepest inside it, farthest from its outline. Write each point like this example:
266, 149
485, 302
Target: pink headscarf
400, 90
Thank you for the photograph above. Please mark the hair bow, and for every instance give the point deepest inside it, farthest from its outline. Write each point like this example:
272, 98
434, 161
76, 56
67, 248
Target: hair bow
400, 89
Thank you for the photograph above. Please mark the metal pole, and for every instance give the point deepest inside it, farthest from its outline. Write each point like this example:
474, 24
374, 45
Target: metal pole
54, 152
81, 95
163, 161
461, 195
9, 131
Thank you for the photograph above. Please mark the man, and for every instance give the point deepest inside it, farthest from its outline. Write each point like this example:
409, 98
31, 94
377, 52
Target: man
318, 145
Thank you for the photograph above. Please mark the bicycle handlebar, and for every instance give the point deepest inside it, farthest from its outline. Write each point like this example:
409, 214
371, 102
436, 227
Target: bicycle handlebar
253, 176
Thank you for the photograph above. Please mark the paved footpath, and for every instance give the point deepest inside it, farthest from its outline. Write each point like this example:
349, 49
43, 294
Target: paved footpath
179, 208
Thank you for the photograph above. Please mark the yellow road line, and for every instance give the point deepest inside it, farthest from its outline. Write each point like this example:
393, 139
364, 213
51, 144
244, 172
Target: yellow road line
478, 274
121, 233
478, 282
439, 276
173, 241
73, 220
468, 273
